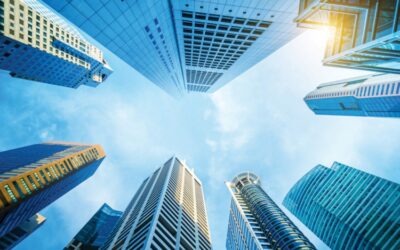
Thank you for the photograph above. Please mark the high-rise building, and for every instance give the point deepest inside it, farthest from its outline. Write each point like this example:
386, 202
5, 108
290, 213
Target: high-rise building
348, 208
36, 44
366, 32
189, 45
34, 176
167, 212
256, 222
95, 232
18, 234
373, 95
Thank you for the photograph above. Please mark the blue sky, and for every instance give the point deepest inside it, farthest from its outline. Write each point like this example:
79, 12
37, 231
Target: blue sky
258, 123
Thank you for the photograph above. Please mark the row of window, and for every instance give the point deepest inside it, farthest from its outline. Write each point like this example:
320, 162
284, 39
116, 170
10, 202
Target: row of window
45, 176
366, 91
225, 19
45, 42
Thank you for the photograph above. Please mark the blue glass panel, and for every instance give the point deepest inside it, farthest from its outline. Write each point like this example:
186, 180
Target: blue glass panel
19, 157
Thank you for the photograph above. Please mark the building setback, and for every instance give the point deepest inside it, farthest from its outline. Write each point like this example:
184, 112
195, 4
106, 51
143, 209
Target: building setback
256, 222
186, 46
347, 208
36, 44
95, 232
34, 176
375, 95
167, 212
19, 233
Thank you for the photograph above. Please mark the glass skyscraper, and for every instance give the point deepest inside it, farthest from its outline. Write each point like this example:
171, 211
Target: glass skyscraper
167, 212
373, 95
348, 208
34, 176
366, 32
187, 45
256, 222
95, 232
18, 234
36, 44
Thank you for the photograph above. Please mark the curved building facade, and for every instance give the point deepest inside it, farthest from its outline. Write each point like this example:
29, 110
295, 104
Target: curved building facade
256, 222
348, 208
376, 95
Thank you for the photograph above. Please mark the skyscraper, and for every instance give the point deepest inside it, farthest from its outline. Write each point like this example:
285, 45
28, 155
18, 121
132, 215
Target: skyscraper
36, 44
167, 212
34, 176
366, 32
348, 208
256, 222
96, 231
373, 95
19, 233
189, 45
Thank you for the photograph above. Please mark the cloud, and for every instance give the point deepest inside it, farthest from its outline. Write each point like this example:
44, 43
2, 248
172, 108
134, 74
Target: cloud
264, 126
258, 123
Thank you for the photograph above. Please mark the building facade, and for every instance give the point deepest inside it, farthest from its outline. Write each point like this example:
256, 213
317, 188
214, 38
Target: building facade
167, 212
256, 222
18, 234
366, 32
347, 208
34, 176
375, 95
190, 45
95, 232
36, 44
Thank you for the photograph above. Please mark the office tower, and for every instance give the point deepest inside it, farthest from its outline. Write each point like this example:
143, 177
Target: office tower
366, 32
373, 95
35, 44
187, 45
96, 231
348, 208
167, 212
256, 222
22, 231
34, 176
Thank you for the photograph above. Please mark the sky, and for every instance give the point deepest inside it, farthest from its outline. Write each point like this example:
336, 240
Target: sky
257, 122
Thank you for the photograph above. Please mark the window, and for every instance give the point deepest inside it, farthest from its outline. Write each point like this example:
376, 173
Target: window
383, 89
17, 187
10, 193
32, 182
398, 88
392, 91
59, 170
49, 174
38, 179
44, 176
27, 189
387, 89
54, 172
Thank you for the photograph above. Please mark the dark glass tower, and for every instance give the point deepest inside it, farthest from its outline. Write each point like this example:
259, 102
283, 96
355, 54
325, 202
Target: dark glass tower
167, 212
347, 208
33, 177
96, 231
256, 222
